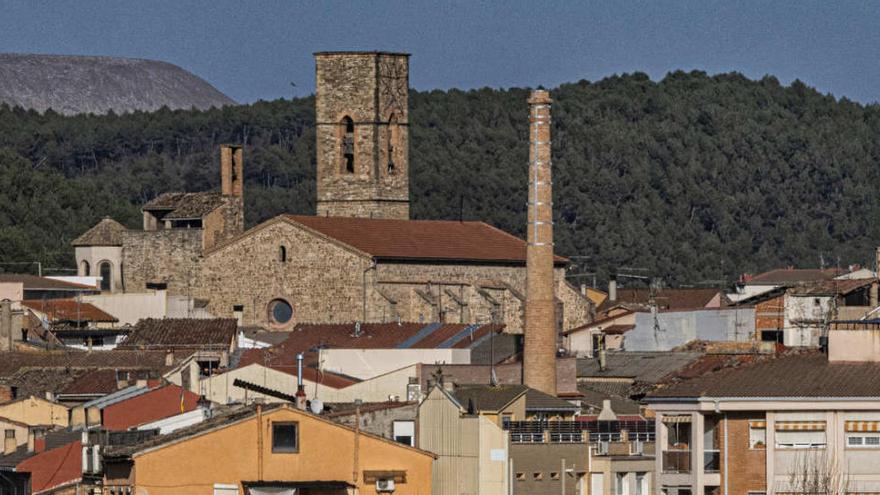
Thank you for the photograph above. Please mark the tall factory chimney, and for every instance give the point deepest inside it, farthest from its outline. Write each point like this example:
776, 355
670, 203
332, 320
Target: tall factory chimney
539, 356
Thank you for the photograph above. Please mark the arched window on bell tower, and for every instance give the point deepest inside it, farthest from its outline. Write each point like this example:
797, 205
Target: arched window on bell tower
393, 137
347, 145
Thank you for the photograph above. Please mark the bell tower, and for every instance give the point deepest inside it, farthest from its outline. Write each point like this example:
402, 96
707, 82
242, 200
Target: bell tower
362, 122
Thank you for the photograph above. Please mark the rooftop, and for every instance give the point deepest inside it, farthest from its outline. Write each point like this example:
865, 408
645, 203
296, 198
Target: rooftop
785, 276
667, 299
796, 375
831, 287
649, 367
59, 310
181, 332
424, 240
487, 397
33, 282
107, 232
186, 205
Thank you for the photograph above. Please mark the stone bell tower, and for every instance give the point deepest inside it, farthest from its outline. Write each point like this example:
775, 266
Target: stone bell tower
362, 121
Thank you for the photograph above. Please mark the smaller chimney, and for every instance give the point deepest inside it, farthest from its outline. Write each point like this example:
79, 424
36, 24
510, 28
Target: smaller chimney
169, 358
231, 170
874, 292
612, 287
300, 387
238, 314
583, 289
607, 414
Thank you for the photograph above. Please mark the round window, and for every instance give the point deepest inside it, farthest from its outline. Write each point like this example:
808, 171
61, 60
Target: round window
280, 312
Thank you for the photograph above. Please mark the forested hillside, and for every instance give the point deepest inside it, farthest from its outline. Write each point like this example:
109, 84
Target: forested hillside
694, 178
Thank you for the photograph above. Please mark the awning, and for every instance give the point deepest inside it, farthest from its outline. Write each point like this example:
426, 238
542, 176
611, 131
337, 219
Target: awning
862, 426
800, 426
676, 418
757, 423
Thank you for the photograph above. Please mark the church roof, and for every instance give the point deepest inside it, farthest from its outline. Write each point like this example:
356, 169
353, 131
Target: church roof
185, 206
424, 240
107, 232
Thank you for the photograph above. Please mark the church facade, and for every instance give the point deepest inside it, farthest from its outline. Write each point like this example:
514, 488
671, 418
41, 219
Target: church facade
360, 258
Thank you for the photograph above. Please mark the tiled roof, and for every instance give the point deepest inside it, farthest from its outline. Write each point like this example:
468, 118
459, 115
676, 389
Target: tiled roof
96, 382
107, 232
797, 375
33, 282
53, 440
186, 206
11, 362
156, 404
279, 359
421, 239
181, 332
783, 276
54, 467
487, 397
539, 401
34, 380
649, 367
667, 299
58, 310
594, 396
831, 287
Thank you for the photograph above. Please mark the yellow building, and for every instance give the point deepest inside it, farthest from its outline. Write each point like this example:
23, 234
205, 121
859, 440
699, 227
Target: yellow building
268, 449
34, 411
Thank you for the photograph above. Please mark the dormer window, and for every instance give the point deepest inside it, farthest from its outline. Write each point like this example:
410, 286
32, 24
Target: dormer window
348, 145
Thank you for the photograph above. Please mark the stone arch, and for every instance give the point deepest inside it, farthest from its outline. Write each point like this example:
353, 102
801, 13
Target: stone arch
346, 145
85, 269
105, 271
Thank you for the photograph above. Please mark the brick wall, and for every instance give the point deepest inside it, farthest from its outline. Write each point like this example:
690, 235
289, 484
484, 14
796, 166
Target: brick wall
747, 466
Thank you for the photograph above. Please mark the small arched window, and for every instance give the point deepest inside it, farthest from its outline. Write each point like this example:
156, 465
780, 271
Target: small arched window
392, 142
106, 272
282, 254
85, 268
348, 145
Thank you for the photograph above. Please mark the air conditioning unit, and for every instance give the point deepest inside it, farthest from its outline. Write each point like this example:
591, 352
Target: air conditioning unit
385, 485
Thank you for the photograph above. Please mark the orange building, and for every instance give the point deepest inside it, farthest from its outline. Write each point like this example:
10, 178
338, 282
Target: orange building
267, 449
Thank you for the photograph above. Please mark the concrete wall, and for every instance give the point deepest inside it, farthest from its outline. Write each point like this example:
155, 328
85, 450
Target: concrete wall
128, 308
545, 459
804, 318
854, 345
680, 327
369, 363
380, 422
242, 451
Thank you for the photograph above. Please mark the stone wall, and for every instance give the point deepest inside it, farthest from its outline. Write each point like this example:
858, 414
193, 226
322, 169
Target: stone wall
321, 280
223, 223
372, 90
171, 256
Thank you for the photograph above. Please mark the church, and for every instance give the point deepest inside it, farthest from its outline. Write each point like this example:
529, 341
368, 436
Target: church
361, 258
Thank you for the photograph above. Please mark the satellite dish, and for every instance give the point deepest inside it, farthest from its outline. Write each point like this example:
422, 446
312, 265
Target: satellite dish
316, 406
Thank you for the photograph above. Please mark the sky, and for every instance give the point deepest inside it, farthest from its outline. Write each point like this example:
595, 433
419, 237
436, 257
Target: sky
254, 50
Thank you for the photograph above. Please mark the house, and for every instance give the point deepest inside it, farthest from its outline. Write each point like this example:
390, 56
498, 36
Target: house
72, 323
210, 341
18, 287
48, 463
621, 454
771, 423
35, 411
266, 449
133, 406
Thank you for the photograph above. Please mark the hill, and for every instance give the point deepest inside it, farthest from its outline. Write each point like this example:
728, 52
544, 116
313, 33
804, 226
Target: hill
80, 84
695, 178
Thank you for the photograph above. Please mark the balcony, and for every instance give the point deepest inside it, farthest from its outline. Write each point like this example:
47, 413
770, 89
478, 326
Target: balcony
711, 461
677, 461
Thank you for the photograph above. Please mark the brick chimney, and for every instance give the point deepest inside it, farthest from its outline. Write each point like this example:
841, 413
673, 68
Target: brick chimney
231, 170
539, 356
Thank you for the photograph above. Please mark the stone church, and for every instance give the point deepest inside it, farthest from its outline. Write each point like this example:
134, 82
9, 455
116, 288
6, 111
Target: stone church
359, 259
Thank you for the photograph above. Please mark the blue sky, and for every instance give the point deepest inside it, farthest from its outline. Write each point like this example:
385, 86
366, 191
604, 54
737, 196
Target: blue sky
254, 50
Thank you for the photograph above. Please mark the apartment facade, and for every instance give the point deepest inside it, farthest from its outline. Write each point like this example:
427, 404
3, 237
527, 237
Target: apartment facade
779, 424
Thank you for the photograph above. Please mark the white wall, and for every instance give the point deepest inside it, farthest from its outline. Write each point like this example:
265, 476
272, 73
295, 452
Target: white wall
369, 363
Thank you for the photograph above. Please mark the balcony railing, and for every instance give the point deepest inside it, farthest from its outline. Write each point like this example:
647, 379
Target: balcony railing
677, 461
711, 461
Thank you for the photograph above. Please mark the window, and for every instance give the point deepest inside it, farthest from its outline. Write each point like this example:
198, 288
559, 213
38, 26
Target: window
348, 145
392, 141
757, 434
554, 475
620, 484
538, 476
280, 312
800, 439
404, 432
85, 268
506, 418
641, 484
106, 272
285, 437
520, 476
10, 434
282, 254
864, 440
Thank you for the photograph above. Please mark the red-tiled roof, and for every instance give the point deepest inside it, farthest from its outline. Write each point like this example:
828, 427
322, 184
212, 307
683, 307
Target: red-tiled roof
421, 239
181, 332
281, 360
69, 310
784, 276
667, 299
107, 232
156, 404
33, 282
54, 467
95, 382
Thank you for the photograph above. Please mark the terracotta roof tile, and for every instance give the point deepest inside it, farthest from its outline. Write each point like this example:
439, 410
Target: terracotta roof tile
162, 402
804, 374
103, 381
783, 276
421, 239
192, 333
54, 467
33, 282
12, 362
667, 299
831, 287
58, 310
107, 232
